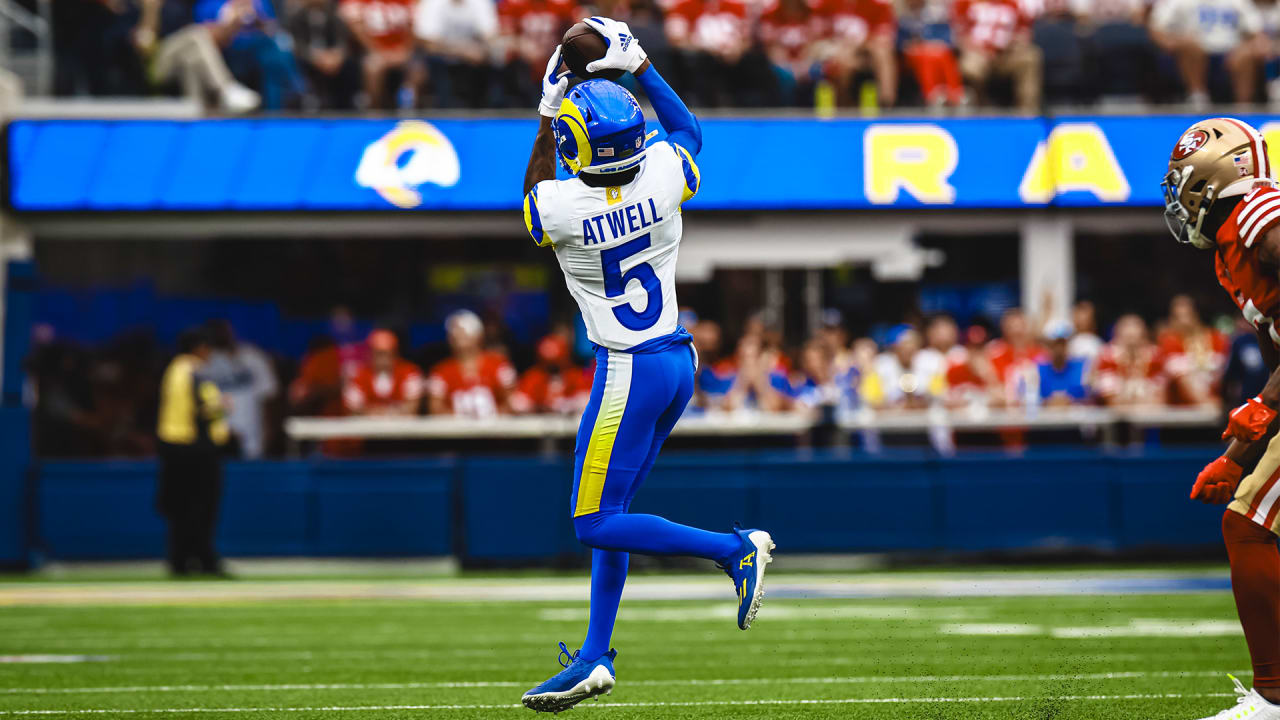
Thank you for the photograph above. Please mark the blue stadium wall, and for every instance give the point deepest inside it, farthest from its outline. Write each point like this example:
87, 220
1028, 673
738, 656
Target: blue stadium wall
512, 510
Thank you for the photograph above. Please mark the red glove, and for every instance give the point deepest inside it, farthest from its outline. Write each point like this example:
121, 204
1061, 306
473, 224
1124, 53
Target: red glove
1249, 422
1216, 483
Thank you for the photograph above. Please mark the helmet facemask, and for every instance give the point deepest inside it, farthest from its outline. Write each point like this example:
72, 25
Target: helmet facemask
1177, 216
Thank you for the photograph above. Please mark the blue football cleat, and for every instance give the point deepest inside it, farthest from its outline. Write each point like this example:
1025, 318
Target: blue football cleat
578, 681
746, 568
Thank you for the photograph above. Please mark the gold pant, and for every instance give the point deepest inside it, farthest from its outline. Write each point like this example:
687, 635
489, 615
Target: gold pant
1258, 497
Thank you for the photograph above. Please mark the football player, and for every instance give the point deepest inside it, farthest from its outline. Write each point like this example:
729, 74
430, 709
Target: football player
1220, 195
615, 228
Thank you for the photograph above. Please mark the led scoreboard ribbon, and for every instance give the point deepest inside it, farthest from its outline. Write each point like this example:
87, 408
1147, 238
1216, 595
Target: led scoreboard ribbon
278, 164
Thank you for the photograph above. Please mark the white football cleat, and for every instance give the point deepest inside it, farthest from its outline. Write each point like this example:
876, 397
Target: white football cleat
1249, 706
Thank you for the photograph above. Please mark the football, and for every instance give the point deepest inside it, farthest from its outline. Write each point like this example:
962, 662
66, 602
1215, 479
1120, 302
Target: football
580, 45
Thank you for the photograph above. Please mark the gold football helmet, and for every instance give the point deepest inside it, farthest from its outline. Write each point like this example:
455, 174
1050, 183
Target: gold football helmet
1215, 158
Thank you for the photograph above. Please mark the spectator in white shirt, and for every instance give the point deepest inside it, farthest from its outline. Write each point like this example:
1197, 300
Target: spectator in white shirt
1209, 39
246, 379
458, 36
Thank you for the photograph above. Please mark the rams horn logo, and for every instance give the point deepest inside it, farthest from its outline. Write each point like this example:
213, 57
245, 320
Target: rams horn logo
413, 154
1191, 142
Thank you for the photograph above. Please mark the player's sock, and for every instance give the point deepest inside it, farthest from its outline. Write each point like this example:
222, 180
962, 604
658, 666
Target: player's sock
652, 535
608, 575
1255, 580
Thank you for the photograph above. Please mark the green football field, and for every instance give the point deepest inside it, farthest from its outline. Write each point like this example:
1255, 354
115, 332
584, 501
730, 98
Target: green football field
892, 645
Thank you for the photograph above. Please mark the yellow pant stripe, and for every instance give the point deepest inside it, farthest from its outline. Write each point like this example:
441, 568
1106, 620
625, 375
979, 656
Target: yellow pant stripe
613, 402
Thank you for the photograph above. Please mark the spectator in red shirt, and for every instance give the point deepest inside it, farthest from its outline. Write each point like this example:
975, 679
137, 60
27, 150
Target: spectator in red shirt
554, 384
714, 37
473, 382
994, 37
792, 32
1015, 357
1194, 355
971, 381
924, 36
387, 385
383, 29
864, 34
318, 390
529, 31
1130, 371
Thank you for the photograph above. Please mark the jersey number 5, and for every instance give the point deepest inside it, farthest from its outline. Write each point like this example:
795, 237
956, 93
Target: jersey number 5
615, 284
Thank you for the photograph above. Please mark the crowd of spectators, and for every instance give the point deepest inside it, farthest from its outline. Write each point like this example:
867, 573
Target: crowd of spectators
103, 403
409, 54
1180, 362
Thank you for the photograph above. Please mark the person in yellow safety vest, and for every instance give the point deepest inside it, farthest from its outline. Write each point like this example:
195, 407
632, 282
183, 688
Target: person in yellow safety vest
192, 432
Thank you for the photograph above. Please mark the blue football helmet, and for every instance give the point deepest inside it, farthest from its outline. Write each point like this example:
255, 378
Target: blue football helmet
599, 129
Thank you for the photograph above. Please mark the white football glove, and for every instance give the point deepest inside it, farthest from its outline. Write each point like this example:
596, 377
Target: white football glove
553, 86
623, 51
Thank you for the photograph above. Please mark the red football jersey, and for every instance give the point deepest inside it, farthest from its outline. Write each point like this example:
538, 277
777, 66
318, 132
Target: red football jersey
794, 32
539, 390
1195, 362
989, 24
1005, 358
475, 391
1252, 284
860, 20
1131, 378
368, 390
708, 24
959, 369
389, 23
540, 21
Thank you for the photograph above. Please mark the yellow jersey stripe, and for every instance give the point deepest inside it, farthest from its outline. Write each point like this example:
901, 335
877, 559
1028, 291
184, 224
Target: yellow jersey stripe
533, 219
613, 402
692, 175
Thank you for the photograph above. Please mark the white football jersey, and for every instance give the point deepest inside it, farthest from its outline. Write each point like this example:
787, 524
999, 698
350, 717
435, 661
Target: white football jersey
617, 245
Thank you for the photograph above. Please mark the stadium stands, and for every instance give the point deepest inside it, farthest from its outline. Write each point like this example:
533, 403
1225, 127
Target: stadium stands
322, 55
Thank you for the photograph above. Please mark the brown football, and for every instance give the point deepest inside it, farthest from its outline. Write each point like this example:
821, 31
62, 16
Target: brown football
580, 45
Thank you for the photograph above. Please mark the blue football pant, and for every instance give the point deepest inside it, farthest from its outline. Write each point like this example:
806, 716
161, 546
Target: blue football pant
636, 400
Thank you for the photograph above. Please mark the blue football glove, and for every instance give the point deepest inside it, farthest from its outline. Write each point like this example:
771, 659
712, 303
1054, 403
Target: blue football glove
623, 50
554, 83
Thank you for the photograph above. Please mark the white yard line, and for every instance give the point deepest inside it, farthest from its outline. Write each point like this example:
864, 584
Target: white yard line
846, 680
649, 588
606, 705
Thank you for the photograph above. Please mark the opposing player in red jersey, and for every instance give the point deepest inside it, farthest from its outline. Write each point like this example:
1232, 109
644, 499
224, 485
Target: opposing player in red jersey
474, 382
387, 385
1220, 195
